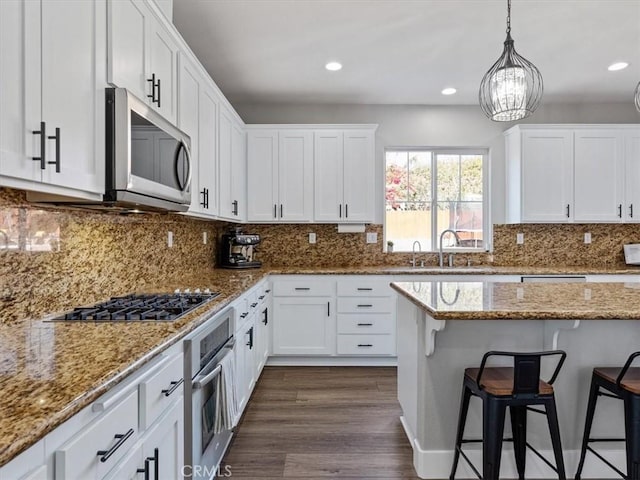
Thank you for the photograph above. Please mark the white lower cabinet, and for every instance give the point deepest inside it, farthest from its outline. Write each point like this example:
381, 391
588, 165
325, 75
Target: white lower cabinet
366, 317
263, 328
304, 326
97, 448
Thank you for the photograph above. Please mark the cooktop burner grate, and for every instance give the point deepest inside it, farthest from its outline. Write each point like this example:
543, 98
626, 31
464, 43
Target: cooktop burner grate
152, 307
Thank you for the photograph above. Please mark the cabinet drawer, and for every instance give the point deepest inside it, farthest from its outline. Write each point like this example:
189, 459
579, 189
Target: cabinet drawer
160, 389
307, 288
363, 289
366, 345
367, 324
366, 304
96, 449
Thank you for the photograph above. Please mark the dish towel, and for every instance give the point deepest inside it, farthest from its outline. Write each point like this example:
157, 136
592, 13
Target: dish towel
227, 399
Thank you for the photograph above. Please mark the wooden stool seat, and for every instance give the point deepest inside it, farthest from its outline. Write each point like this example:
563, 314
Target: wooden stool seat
498, 381
630, 382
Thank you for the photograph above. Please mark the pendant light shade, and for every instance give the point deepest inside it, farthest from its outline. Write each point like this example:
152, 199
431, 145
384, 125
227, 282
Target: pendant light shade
637, 97
512, 88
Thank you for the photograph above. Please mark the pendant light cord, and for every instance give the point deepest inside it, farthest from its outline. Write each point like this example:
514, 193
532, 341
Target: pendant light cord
508, 17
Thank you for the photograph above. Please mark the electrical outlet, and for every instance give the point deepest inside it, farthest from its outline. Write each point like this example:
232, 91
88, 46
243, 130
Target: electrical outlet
587, 294
372, 237
312, 238
520, 293
520, 238
204, 238
587, 237
169, 239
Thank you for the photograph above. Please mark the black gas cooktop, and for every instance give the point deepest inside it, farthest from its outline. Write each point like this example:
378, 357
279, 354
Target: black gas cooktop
150, 307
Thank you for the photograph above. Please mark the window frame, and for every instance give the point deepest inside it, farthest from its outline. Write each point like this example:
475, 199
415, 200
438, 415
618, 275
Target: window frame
485, 152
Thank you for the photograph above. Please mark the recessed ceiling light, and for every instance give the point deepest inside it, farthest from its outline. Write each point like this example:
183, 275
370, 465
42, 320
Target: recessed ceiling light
333, 66
449, 91
617, 66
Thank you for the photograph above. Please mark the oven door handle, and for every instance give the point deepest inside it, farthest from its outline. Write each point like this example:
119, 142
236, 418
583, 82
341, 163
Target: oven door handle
202, 381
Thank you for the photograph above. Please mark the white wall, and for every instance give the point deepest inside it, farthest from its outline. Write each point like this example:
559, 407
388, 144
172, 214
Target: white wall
436, 126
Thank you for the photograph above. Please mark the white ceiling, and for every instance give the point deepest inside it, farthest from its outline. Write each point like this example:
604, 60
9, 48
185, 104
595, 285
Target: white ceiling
407, 51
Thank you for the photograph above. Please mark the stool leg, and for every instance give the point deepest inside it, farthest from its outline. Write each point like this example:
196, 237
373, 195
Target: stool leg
632, 431
493, 413
554, 430
591, 408
519, 430
462, 420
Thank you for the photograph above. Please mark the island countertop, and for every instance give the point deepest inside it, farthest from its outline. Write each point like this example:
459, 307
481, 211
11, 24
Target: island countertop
486, 300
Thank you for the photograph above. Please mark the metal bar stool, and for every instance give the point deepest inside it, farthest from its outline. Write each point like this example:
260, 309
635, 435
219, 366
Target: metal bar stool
518, 388
623, 384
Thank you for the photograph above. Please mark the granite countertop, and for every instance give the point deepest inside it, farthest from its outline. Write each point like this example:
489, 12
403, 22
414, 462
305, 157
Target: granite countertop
445, 300
49, 371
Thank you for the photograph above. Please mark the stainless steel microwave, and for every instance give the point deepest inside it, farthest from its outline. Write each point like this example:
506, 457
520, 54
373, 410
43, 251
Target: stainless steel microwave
148, 161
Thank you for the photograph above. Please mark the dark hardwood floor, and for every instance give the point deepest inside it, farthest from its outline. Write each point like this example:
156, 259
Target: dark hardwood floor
322, 422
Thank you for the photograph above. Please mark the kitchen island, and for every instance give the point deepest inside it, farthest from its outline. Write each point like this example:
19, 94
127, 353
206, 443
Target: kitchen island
444, 327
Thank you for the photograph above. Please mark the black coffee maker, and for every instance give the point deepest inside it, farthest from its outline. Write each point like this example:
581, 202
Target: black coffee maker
238, 250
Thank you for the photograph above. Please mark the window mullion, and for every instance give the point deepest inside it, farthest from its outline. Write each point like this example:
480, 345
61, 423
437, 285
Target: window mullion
434, 202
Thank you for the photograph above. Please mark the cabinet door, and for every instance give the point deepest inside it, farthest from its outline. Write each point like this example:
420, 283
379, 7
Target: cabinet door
71, 101
632, 175
188, 119
547, 176
328, 187
208, 139
127, 468
262, 176
239, 171
358, 171
598, 176
242, 382
163, 56
226, 205
303, 326
19, 89
164, 443
263, 339
128, 33
295, 174
249, 336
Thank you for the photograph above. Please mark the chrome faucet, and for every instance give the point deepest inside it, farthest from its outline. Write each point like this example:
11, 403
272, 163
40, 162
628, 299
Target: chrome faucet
413, 260
448, 230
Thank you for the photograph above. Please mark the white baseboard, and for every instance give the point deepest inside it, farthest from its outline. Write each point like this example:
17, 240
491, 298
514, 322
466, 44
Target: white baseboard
436, 464
303, 361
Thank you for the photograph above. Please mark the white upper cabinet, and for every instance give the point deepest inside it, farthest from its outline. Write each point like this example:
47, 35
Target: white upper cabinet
343, 175
571, 173
208, 153
188, 122
51, 121
280, 175
143, 55
632, 175
232, 167
540, 175
598, 175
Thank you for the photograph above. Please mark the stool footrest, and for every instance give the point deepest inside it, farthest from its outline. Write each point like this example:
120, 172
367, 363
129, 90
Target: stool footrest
610, 395
531, 409
606, 440
607, 462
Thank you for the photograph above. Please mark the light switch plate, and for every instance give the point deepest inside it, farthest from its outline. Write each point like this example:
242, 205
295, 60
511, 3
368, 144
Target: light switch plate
204, 238
520, 238
372, 237
587, 237
169, 239
312, 238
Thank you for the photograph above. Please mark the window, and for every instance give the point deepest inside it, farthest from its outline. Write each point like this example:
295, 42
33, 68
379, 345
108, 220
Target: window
432, 190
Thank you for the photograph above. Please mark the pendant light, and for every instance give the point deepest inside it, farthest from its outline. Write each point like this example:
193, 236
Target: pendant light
512, 88
637, 97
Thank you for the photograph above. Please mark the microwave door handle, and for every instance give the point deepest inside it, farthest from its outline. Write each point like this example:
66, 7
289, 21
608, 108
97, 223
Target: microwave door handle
185, 186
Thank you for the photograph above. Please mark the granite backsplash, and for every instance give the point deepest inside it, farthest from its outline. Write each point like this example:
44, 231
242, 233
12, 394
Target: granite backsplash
96, 255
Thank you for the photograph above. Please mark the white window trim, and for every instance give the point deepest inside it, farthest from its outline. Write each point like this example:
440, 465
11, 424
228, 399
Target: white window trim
487, 244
